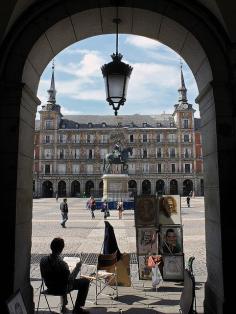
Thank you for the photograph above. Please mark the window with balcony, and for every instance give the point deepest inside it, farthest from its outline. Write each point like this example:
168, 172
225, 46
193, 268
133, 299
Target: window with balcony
173, 168
47, 139
186, 138
145, 168
185, 124
172, 138
48, 124
159, 153
172, 152
187, 168
145, 155
145, 138
75, 168
89, 169
90, 154
47, 169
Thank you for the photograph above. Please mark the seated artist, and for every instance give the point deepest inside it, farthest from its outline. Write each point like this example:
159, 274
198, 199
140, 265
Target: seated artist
58, 279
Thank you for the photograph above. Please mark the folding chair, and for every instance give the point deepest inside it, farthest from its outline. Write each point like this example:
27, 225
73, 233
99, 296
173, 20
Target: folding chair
46, 292
105, 275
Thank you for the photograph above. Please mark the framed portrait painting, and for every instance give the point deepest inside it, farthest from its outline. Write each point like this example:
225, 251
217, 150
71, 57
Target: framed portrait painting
169, 210
146, 240
173, 268
171, 239
145, 272
145, 211
15, 304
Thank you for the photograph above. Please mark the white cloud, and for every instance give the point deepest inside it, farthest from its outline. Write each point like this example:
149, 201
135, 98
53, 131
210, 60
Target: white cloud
142, 42
89, 66
66, 111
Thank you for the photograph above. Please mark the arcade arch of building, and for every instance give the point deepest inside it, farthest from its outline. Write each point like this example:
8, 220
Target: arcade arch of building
76, 188
44, 30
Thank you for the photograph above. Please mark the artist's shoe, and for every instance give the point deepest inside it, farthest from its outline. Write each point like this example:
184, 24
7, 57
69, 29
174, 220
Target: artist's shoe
63, 309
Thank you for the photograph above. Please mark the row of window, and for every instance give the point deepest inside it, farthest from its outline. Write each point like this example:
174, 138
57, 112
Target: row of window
160, 168
144, 153
104, 138
49, 124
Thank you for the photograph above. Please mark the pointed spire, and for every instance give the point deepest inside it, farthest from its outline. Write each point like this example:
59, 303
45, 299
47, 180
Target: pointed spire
52, 90
182, 90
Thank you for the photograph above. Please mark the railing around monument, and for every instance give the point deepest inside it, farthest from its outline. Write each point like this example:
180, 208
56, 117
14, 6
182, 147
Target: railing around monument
113, 197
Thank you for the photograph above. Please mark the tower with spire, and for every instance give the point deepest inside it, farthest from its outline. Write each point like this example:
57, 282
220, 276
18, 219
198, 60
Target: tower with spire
51, 112
183, 109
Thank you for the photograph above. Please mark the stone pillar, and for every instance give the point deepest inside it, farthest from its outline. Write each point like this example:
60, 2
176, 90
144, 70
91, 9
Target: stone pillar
18, 109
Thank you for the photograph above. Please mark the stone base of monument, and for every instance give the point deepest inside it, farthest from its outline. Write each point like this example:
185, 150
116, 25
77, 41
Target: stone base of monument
115, 187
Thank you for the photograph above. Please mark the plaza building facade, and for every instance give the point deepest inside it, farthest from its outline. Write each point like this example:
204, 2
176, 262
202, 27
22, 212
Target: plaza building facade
69, 150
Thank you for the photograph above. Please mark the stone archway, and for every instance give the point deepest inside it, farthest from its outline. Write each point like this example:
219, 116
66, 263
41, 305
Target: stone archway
61, 188
173, 187
146, 187
187, 187
47, 189
49, 27
75, 188
89, 188
132, 187
160, 187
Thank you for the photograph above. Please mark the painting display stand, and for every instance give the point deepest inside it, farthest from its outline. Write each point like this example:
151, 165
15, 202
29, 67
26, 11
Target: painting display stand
159, 232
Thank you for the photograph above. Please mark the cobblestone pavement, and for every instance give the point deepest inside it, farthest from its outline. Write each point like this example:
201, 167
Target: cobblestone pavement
84, 235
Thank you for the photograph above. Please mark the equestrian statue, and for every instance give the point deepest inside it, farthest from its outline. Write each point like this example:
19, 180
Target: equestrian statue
117, 157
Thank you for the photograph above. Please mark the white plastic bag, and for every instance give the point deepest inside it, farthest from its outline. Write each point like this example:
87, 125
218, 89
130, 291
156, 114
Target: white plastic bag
156, 276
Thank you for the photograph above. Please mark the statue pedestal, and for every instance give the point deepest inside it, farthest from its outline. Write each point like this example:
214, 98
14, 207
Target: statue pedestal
115, 187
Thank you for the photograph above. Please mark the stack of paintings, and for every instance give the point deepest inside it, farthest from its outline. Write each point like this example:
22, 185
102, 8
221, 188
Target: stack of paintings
159, 231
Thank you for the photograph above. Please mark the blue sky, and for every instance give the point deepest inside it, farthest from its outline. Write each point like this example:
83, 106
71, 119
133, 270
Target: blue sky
153, 86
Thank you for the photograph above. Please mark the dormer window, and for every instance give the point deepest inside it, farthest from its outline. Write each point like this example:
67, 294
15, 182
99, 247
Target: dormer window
158, 124
90, 125
172, 124
77, 125
104, 124
144, 124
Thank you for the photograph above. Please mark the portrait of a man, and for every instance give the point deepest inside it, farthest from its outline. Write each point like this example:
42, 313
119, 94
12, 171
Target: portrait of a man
169, 209
145, 211
171, 240
146, 240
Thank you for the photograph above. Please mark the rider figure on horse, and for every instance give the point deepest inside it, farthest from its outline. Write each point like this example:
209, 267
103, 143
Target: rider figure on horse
117, 152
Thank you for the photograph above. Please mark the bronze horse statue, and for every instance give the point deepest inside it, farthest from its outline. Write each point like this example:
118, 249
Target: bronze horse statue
117, 157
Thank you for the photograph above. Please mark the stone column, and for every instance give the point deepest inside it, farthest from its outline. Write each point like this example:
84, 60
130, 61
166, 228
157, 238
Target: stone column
18, 109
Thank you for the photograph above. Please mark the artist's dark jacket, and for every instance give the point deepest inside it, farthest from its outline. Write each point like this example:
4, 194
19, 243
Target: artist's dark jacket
55, 273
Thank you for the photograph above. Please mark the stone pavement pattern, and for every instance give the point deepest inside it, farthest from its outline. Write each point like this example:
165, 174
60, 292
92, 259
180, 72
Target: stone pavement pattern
84, 235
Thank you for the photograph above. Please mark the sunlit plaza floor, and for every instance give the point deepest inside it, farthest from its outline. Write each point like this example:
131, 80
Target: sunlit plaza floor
84, 235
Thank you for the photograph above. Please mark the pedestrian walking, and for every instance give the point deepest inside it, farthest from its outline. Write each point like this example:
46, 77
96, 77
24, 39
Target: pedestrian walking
105, 209
188, 200
91, 204
64, 212
56, 196
120, 209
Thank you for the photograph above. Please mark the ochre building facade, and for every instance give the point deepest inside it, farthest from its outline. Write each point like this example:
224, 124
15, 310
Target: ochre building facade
69, 150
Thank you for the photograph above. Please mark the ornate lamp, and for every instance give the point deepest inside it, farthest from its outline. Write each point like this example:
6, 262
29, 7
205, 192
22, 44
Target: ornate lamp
116, 76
